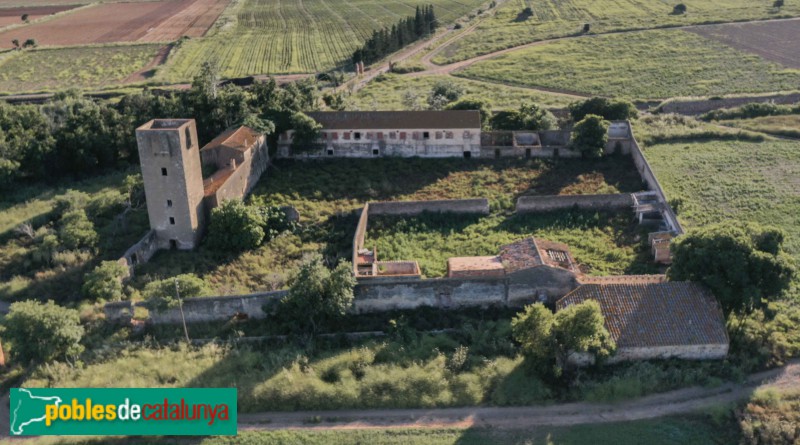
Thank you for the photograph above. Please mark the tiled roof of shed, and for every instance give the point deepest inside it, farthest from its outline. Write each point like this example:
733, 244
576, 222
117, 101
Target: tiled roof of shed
401, 120
474, 263
241, 138
532, 252
657, 314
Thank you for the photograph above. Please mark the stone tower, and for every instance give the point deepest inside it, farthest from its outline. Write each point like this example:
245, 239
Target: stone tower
173, 181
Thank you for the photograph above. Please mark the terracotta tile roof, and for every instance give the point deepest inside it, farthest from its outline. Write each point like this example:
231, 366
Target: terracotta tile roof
657, 314
241, 138
532, 252
623, 279
215, 181
474, 263
401, 120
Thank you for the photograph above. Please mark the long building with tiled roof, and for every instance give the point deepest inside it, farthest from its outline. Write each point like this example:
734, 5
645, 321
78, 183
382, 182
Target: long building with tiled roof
658, 320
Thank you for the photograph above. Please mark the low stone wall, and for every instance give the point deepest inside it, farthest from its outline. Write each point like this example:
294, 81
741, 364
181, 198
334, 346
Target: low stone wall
555, 138
438, 292
205, 309
684, 352
140, 253
700, 106
412, 208
529, 204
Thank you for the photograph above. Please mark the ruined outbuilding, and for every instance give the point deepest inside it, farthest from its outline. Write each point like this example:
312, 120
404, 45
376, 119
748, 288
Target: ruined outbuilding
656, 320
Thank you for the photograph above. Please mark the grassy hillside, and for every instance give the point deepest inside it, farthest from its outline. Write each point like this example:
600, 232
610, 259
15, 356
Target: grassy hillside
641, 65
549, 19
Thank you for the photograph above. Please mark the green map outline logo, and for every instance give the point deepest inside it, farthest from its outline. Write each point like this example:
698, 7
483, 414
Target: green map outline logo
122, 411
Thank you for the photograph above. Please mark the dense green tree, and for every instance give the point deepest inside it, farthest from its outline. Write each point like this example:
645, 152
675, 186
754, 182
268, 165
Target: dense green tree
306, 130
548, 339
474, 104
162, 294
42, 332
390, 39
744, 266
590, 136
442, 93
234, 227
317, 296
527, 117
105, 282
611, 110
76, 231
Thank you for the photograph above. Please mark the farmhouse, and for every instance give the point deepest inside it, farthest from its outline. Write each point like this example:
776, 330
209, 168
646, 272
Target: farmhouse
363, 134
178, 198
656, 320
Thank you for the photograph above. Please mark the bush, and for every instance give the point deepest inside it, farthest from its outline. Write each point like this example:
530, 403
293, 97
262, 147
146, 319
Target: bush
105, 281
771, 418
778, 4
235, 227
751, 110
528, 117
77, 231
43, 332
590, 136
162, 293
613, 110
680, 8
586, 27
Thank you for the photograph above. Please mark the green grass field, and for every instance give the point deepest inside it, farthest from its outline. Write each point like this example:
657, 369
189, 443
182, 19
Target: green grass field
786, 126
293, 36
641, 65
389, 92
79, 67
695, 430
721, 181
562, 18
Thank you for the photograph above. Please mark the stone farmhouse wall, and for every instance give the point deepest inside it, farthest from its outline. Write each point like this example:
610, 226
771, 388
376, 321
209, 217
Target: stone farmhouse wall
140, 253
361, 233
700, 106
385, 294
243, 176
355, 143
529, 204
412, 208
647, 175
685, 352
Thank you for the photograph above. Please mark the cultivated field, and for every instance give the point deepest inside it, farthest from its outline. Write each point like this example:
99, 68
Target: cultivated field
509, 27
786, 126
717, 181
80, 67
13, 16
775, 41
642, 65
122, 22
295, 36
397, 92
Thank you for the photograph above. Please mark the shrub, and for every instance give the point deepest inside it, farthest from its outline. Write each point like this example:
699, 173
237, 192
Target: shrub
680, 8
586, 27
105, 281
306, 130
778, 4
442, 93
42, 332
77, 231
609, 109
771, 418
162, 293
590, 136
528, 117
235, 227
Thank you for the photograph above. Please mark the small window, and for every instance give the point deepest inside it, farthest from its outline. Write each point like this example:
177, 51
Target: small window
467, 154
448, 135
346, 136
357, 135
403, 135
169, 203
163, 171
527, 152
330, 152
496, 152
172, 220
376, 151
438, 135
188, 134
173, 244
426, 135
393, 135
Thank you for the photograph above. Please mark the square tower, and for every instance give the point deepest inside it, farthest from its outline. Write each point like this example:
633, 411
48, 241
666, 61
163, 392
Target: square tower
173, 181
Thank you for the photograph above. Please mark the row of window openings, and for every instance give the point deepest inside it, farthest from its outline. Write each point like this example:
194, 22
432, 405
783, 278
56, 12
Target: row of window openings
377, 152
357, 135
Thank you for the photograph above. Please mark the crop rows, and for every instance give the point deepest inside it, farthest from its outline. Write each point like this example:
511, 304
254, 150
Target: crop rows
298, 36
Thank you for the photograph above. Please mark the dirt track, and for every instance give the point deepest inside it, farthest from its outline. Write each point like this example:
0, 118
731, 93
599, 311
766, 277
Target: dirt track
670, 403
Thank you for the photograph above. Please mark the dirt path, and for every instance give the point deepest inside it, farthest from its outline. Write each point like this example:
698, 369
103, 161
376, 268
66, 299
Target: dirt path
145, 73
669, 403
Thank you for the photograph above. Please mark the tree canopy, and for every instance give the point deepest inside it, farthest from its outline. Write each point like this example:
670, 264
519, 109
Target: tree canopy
42, 332
105, 281
527, 117
234, 227
742, 265
162, 294
590, 136
609, 109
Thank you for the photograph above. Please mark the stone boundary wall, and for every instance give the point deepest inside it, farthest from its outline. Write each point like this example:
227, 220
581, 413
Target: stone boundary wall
529, 204
140, 253
358, 238
683, 352
700, 106
411, 208
646, 172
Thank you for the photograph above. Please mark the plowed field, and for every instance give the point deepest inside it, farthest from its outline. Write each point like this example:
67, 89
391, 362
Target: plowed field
13, 16
778, 41
123, 22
